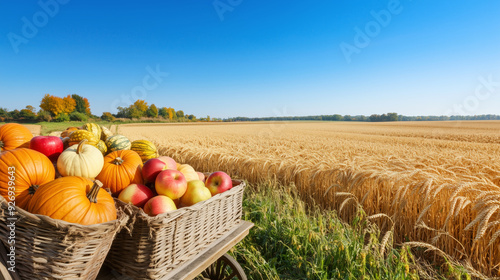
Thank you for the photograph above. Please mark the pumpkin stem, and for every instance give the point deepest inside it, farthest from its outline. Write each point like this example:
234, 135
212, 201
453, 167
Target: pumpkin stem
92, 195
80, 146
1, 144
32, 189
118, 161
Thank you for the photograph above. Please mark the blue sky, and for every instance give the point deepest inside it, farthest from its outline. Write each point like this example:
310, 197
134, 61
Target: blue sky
229, 58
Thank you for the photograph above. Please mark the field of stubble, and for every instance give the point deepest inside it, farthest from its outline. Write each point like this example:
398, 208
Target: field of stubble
437, 182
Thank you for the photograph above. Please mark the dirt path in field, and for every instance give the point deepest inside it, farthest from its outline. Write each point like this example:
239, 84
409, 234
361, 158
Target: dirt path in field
34, 129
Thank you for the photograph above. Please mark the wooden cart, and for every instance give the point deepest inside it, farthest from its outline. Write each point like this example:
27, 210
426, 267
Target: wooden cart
212, 263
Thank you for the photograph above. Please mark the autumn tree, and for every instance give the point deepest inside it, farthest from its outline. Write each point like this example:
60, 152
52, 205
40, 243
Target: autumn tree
152, 111
69, 104
163, 112
171, 114
106, 116
180, 114
141, 105
82, 104
52, 104
31, 108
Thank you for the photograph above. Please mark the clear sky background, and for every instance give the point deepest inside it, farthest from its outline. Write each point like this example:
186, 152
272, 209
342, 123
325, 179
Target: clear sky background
229, 58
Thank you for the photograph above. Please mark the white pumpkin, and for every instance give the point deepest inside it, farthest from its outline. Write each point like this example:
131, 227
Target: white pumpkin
80, 160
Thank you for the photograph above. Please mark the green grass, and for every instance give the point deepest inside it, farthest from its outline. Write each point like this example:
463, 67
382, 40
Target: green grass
290, 242
48, 127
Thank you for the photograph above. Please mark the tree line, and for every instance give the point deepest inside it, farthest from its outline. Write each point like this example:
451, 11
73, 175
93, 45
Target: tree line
77, 108
389, 117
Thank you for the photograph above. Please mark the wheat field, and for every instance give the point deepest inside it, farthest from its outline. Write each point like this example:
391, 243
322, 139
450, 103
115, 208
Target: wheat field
438, 182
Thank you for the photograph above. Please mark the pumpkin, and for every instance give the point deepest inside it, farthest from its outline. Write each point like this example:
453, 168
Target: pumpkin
121, 168
79, 135
75, 200
145, 149
80, 160
29, 169
118, 142
188, 172
102, 147
105, 133
13, 136
68, 131
94, 128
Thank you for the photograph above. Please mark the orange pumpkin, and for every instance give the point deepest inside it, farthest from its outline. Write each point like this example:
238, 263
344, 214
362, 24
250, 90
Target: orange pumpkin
68, 131
121, 168
13, 136
74, 200
28, 169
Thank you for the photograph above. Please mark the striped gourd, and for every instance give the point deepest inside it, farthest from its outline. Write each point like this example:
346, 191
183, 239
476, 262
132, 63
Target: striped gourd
102, 147
78, 135
94, 128
118, 142
105, 133
145, 149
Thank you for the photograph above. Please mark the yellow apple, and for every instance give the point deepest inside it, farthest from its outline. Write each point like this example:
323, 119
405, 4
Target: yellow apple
196, 192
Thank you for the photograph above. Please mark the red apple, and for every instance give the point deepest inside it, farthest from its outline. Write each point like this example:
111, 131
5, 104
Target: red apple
218, 182
171, 183
136, 194
196, 192
152, 168
171, 164
201, 176
51, 146
159, 204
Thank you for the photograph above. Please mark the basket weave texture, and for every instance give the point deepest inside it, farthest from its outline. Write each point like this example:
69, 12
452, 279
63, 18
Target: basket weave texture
47, 248
150, 247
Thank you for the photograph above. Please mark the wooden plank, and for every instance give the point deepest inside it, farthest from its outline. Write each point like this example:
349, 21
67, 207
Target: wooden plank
198, 263
204, 259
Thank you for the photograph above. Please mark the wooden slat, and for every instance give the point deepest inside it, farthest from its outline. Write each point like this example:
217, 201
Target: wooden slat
194, 267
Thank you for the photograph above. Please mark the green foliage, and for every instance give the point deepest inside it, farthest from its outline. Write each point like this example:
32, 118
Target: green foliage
389, 117
135, 113
107, 116
163, 112
14, 115
180, 114
290, 242
77, 116
152, 111
44, 116
27, 115
62, 117
82, 104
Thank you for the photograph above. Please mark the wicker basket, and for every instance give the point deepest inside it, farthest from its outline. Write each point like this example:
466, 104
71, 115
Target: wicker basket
47, 248
151, 247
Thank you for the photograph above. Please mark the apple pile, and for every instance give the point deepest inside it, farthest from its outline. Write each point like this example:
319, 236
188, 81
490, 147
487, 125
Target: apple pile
169, 186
